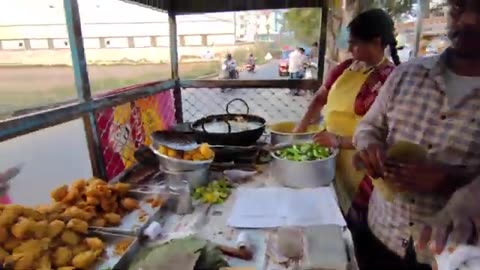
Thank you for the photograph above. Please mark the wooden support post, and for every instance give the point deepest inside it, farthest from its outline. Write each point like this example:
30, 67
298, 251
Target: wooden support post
177, 94
322, 43
82, 84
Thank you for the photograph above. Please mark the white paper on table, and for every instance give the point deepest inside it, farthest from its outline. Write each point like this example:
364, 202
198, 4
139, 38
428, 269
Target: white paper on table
278, 206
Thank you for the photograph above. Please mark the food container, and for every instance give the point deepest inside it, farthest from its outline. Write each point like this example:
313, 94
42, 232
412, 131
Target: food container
196, 178
282, 132
304, 174
180, 165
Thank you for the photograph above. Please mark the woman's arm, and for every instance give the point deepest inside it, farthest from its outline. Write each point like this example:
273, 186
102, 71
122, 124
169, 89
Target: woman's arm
314, 109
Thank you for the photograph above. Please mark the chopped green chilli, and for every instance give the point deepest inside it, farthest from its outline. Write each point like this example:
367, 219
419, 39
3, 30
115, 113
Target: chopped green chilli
304, 152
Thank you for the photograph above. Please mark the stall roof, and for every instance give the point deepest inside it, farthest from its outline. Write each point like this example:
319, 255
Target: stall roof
206, 6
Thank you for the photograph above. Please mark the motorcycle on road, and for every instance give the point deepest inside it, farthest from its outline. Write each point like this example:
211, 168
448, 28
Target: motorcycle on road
228, 72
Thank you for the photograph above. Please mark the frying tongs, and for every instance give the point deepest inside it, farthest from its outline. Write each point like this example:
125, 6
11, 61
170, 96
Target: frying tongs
148, 189
113, 231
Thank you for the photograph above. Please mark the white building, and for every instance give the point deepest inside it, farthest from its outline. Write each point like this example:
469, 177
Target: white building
106, 23
250, 24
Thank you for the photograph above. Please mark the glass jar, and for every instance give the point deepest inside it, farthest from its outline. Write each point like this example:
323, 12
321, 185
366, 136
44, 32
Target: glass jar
180, 193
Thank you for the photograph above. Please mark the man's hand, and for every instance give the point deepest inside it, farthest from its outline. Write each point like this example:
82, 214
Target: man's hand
458, 221
327, 139
372, 159
421, 178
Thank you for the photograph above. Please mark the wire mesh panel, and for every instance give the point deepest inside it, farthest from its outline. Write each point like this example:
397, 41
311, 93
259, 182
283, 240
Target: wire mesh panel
271, 103
122, 129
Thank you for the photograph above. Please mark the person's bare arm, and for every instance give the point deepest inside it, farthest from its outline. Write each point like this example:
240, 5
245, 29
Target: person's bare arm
314, 110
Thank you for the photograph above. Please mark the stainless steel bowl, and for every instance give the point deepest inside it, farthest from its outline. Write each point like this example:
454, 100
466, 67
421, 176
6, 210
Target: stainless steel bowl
304, 174
195, 178
282, 132
180, 165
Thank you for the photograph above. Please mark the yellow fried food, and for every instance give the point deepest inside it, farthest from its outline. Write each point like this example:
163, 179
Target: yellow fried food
205, 151
33, 214
44, 262
109, 204
94, 243
3, 255
11, 244
55, 227
62, 256
84, 260
77, 225
40, 229
23, 261
32, 247
79, 184
130, 204
21, 229
59, 193
75, 212
72, 195
163, 150
92, 200
66, 268
98, 222
10, 214
79, 249
3, 234
171, 152
70, 238
113, 218
121, 188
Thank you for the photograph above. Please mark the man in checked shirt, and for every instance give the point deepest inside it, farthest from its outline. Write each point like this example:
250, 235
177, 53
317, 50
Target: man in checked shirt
433, 102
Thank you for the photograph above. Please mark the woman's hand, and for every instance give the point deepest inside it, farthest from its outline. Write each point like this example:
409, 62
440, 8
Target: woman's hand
327, 139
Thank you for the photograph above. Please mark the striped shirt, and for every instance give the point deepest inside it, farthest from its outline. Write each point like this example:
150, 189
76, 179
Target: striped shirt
412, 106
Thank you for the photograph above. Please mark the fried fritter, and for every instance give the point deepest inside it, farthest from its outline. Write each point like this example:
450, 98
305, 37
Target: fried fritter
79, 249
130, 204
78, 225
62, 256
94, 243
70, 238
121, 188
11, 244
3, 255
98, 222
59, 193
113, 218
40, 229
21, 229
84, 260
23, 261
10, 214
75, 212
55, 228
3, 234
44, 263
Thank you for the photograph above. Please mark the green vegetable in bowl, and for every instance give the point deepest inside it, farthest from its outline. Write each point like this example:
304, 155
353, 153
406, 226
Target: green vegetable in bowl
304, 152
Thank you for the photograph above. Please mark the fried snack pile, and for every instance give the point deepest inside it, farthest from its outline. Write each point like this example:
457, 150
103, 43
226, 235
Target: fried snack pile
204, 152
42, 239
95, 202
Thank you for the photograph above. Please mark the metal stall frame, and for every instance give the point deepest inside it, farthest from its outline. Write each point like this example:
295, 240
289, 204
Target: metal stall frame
86, 105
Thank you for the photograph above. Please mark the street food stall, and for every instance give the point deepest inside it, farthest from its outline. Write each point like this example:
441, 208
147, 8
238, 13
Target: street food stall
226, 191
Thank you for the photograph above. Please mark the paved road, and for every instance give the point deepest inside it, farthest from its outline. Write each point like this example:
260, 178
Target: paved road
56, 155
272, 104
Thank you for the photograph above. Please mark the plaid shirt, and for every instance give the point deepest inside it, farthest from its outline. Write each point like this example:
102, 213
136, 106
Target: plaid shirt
412, 106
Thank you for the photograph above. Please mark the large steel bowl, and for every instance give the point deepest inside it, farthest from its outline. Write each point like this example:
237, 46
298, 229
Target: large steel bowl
282, 132
180, 165
304, 174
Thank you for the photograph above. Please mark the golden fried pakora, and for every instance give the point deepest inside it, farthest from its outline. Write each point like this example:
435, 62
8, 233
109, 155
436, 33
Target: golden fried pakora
11, 244
59, 193
72, 195
44, 262
98, 222
62, 256
78, 225
79, 249
94, 243
70, 238
10, 214
3, 234
130, 204
21, 229
33, 214
75, 212
55, 227
66, 268
3, 255
91, 200
23, 261
121, 188
40, 229
84, 260
113, 218
79, 184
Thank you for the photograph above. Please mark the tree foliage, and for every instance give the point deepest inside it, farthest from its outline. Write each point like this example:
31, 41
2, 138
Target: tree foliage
304, 23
